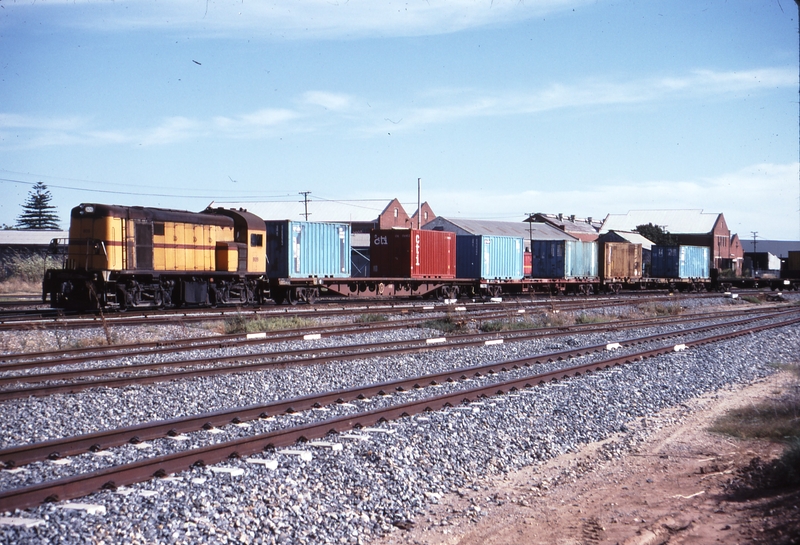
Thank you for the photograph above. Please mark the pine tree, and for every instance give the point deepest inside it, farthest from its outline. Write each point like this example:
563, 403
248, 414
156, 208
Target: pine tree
37, 210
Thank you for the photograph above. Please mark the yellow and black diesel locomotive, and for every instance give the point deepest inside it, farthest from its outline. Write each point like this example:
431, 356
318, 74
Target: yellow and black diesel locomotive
126, 256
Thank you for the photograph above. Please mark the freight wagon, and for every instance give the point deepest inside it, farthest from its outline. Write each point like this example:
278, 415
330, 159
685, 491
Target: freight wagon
299, 253
123, 257
489, 257
682, 262
619, 265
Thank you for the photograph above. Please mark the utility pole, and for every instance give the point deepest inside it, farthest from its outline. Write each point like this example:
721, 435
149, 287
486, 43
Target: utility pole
305, 195
755, 234
530, 230
419, 201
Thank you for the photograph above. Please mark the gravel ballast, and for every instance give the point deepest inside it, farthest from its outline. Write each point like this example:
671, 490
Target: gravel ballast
381, 479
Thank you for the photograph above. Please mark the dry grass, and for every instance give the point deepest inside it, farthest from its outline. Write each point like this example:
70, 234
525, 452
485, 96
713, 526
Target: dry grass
246, 324
370, 318
19, 286
659, 309
776, 419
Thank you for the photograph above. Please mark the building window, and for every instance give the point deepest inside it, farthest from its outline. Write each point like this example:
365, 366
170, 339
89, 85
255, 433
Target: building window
425, 215
395, 212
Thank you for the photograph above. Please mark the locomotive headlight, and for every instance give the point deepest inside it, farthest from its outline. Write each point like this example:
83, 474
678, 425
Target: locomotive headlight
89, 209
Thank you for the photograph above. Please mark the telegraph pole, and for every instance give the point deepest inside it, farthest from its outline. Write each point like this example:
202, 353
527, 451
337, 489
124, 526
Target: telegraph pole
419, 200
305, 195
755, 234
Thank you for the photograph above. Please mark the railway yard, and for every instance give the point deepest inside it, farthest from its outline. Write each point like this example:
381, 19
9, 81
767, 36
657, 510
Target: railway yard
360, 423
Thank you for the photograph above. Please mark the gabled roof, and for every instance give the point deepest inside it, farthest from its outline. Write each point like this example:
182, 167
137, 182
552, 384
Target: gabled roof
534, 231
634, 238
355, 211
29, 237
677, 222
570, 224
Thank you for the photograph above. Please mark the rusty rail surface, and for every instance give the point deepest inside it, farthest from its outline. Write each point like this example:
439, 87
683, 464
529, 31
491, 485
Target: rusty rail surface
81, 485
68, 356
313, 356
75, 320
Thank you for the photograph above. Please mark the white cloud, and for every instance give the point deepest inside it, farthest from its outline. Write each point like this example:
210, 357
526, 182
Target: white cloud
298, 19
329, 101
444, 106
742, 195
454, 105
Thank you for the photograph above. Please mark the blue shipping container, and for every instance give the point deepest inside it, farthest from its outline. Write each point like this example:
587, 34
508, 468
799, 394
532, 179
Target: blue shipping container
680, 262
304, 249
564, 259
489, 257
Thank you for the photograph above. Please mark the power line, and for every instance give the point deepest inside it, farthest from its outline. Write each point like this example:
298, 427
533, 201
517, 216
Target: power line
139, 193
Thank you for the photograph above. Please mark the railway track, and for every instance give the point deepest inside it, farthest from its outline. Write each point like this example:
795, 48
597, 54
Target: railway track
38, 319
68, 356
113, 477
70, 381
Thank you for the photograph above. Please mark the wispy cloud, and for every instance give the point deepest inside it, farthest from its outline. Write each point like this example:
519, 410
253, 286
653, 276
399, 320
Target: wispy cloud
731, 193
329, 101
337, 112
299, 19
453, 105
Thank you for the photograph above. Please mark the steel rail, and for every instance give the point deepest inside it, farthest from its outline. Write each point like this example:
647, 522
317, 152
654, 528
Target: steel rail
58, 448
34, 360
114, 477
360, 353
149, 316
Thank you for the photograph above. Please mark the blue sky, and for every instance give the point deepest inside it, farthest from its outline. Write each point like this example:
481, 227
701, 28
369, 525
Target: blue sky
500, 107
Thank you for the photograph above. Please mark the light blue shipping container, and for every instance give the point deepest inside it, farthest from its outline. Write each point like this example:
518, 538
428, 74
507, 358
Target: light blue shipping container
680, 262
489, 257
304, 249
564, 259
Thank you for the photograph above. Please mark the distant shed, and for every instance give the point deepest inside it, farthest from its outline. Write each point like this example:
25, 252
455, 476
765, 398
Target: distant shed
528, 231
25, 243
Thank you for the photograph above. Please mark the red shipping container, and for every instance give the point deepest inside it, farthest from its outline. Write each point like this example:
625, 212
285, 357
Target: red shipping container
414, 253
527, 265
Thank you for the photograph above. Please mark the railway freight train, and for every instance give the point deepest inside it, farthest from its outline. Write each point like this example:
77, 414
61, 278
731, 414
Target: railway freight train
128, 256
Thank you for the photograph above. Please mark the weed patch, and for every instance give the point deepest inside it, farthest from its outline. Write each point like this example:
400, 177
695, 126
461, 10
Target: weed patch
245, 324
370, 318
448, 324
590, 319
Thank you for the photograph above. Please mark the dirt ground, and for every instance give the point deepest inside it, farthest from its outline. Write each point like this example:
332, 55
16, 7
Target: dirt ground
670, 489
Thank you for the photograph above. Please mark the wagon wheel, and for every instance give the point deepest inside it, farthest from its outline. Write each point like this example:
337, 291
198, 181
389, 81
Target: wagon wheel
311, 295
291, 297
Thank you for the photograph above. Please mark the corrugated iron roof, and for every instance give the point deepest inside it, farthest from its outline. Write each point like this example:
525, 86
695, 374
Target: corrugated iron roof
30, 237
679, 222
635, 238
780, 248
364, 211
533, 231
571, 224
